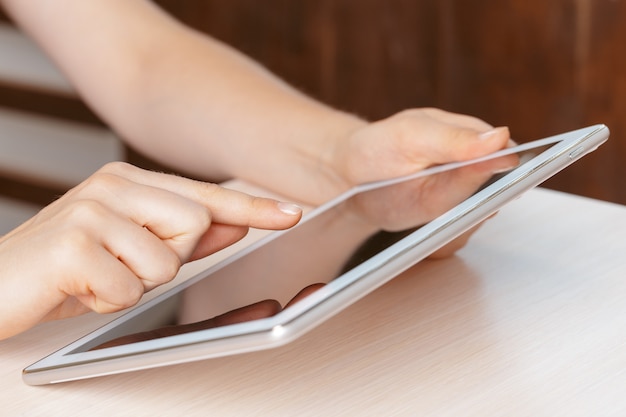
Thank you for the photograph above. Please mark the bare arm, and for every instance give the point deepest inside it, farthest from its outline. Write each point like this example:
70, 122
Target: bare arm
185, 98
177, 94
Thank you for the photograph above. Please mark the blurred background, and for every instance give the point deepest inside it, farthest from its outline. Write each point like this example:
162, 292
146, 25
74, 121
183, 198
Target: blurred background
539, 67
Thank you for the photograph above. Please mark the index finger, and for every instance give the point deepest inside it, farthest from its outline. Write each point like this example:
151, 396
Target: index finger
226, 206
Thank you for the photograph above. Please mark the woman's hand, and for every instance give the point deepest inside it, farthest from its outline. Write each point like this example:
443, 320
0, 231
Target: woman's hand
117, 235
410, 141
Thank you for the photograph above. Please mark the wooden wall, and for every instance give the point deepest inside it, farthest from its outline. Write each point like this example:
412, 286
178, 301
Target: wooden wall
540, 67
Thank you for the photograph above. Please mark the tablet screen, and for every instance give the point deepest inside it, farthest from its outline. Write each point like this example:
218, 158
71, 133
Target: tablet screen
304, 260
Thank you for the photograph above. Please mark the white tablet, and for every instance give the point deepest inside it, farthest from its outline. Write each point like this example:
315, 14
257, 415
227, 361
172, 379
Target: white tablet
291, 281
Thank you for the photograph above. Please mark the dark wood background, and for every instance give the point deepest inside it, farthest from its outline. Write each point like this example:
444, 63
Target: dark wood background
539, 67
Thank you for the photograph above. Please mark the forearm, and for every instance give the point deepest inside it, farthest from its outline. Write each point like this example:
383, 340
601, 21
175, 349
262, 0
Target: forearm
200, 106
187, 99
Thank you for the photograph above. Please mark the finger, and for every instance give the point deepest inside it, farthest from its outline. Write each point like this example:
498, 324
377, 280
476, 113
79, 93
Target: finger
227, 206
262, 309
458, 119
259, 310
236, 208
71, 265
445, 136
183, 224
305, 292
178, 221
92, 226
452, 143
109, 285
153, 261
218, 237
473, 144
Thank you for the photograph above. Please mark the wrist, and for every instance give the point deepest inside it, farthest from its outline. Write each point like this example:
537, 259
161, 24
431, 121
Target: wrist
302, 162
333, 154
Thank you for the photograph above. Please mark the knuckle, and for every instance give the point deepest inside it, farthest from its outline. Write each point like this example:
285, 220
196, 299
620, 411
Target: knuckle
115, 167
111, 177
70, 245
202, 219
76, 237
83, 213
208, 189
131, 297
166, 271
407, 120
413, 113
102, 180
257, 203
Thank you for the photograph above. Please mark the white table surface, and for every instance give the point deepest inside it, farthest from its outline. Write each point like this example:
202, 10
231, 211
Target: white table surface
528, 320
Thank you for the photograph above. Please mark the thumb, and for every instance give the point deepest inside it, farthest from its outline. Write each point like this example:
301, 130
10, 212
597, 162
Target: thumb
464, 144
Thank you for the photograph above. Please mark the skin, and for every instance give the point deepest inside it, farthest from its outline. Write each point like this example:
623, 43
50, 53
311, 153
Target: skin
117, 235
196, 104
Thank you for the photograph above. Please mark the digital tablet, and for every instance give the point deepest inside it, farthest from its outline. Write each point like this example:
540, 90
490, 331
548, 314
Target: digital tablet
282, 286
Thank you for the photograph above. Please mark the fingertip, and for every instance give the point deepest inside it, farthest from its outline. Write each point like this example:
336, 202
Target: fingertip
489, 141
292, 213
500, 133
289, 208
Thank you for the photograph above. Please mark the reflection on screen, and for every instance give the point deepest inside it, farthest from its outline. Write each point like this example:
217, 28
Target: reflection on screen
320, 249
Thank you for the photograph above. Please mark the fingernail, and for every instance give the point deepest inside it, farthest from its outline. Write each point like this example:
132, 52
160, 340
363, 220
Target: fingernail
490, 133
289, 208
